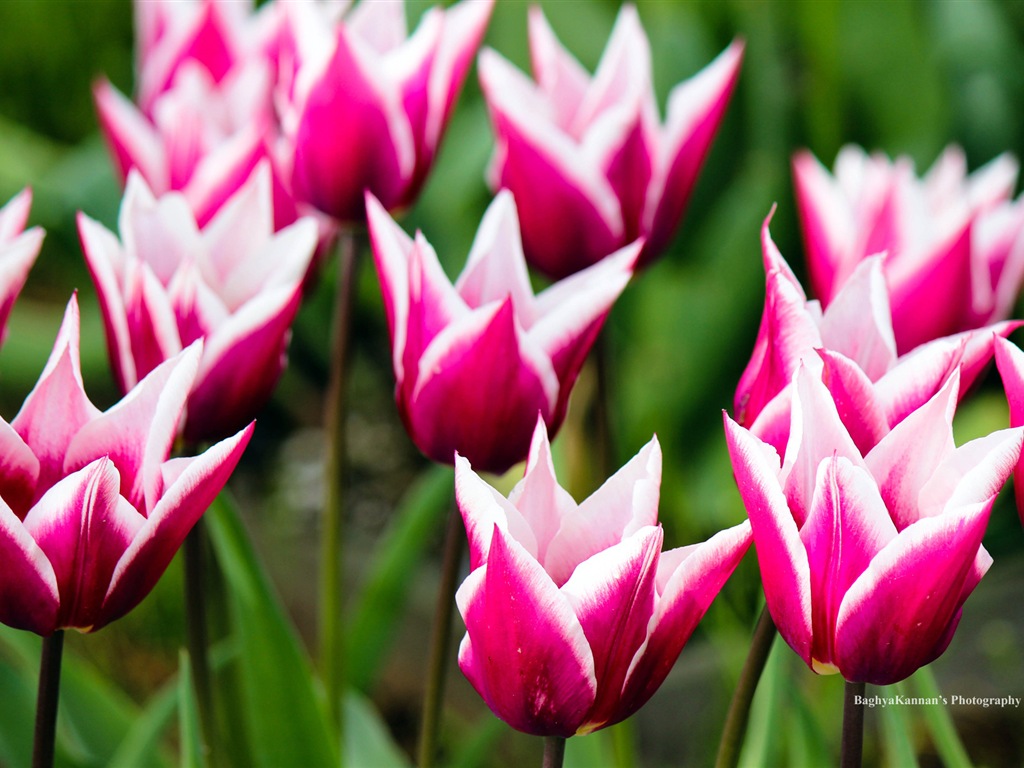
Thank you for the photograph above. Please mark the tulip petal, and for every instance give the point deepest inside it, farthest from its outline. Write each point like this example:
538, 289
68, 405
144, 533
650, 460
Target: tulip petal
544, 683
84, 527
847, 525
188, 490
29, 598
900, 614
131, 139
1010, 361
685, 597
613, 596
785, 570
854, 396
826, 223
624, 504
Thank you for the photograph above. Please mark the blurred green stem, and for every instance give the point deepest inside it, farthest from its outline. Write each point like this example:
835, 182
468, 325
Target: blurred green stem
554, 751
197, 639
433, 698
739, 708
603, 422
46, 703
332, 638
853, 726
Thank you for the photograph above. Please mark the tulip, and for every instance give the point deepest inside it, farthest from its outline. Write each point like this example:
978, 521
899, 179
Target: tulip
476, 361
588, 159
867, 559
574, 615
235, 283
369, 103
91, 509
18, 251
851, 344
954, 243
1010, 362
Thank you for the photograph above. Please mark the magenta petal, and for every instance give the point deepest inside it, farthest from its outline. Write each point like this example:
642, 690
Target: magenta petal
480, 367
525, 651
847, 525
686, 596
901, 613
19, 471
854, 396
352, 136
825, 223
131, 139
29, 598
1010, 361
783, 560
186, 497
613, 596
84, 527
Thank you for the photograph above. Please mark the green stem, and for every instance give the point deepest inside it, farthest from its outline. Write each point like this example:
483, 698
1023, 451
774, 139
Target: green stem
605, 436
46, 703
332, 561
853, 726
440, 640
947, 741
739, 708
554, 752
197, 638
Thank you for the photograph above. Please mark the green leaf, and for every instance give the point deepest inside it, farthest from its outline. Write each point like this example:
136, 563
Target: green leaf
284, 706
367, 741
595, 750
383, 599
141, 745
188, 716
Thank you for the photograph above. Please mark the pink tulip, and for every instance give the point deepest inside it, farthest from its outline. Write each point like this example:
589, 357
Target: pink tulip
867, 559
1010, 362
574, 615
235, 283
18, 251
91, 509
851, 345
588, 159
475, 362
369, 103
953, 243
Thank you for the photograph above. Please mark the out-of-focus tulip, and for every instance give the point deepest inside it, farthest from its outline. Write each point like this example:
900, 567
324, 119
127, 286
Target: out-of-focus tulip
574, 615
475, 362
589, 162
1010, 362
370, 102
867, 559
851, 346
234, 283
953, 243
91, 509
18, 251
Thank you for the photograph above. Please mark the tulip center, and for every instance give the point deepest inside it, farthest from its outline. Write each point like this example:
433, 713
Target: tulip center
824, 667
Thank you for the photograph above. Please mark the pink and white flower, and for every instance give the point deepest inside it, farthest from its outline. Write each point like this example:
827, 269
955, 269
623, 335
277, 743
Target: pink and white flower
18, 251
475, 362
587, 158
91, 509
574, 614
236, 283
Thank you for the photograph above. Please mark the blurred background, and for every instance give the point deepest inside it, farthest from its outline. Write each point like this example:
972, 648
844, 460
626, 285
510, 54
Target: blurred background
898, 77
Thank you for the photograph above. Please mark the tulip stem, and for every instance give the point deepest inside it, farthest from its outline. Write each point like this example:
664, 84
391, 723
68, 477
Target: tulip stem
46, 703
197, 637
440, 640
332, 639
853, 726
743, 697
554, 752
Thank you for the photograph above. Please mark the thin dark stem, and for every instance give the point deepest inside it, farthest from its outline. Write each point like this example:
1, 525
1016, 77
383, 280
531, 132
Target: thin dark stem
853, 725
554, 751
197, 637
332, 638
440, 640
46, 703
742, 698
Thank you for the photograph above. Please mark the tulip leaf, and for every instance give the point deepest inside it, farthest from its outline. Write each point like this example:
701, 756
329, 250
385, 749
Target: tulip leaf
938, 721
393, 573
367, 741
141, 745
595, 750
17, 706
286, 714
896, 741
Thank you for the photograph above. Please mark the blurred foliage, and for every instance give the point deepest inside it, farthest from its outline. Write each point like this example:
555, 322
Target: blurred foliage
900, 77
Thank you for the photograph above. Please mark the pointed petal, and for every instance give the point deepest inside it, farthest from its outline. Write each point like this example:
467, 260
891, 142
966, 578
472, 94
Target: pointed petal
186, 497
826, 222
785, 570
525, 652
29, 598
625, 503
131, 139
854, 396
